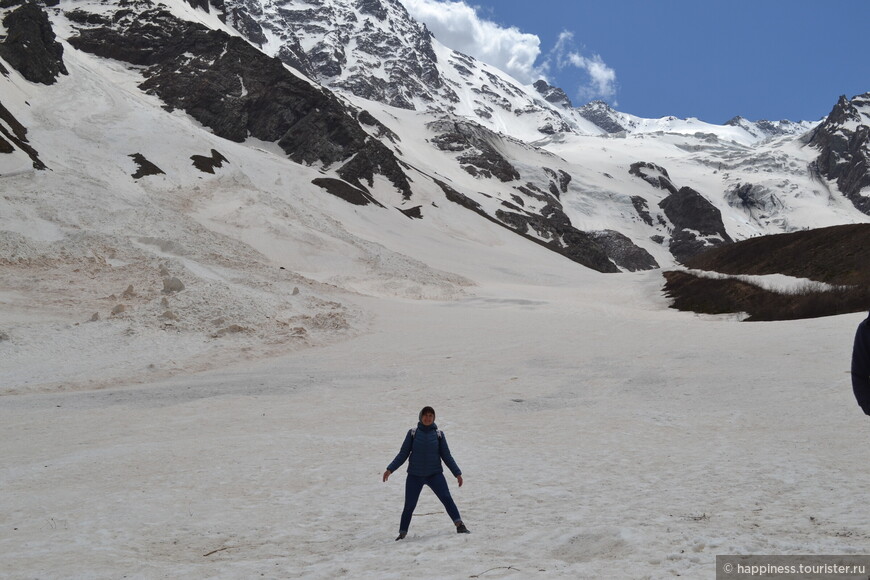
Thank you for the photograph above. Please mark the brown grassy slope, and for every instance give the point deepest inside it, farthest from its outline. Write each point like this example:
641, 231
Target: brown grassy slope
837, 255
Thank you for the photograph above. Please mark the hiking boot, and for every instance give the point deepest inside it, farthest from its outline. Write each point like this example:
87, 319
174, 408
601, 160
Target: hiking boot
401, 536
461, 529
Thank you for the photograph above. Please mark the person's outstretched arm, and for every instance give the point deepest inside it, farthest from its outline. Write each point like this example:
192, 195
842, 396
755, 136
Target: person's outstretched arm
402, 456
444, 450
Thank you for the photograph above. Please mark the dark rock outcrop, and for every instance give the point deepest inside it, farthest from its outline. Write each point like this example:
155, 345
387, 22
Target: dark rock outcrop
345, 191
843, 140
602, 115
624, 253
555, 233
642, 208
479, 156
653, 174
413, 212
560, 180
697, 223
374, 157
30, 46
248, 23
208, 163
553, 94
14, 135
145, 167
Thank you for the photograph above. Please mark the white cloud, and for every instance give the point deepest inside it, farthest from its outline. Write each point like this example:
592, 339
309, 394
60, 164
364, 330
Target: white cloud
458, 26
601, 82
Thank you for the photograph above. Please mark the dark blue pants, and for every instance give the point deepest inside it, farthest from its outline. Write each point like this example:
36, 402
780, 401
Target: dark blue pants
414, 485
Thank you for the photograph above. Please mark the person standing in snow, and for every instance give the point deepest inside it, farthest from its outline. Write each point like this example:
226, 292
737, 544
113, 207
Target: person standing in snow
426, 446
861, 365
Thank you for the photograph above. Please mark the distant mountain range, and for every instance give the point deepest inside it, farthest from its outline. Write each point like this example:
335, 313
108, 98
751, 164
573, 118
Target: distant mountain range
391, 118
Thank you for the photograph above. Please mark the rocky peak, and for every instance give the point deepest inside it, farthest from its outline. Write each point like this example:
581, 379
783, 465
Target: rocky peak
843, 140
602, 115
370, 48
854, 111
553, 94
374, 49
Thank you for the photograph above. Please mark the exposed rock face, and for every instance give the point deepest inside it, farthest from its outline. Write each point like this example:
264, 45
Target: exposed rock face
642, 208
396, 62
653, 174
145, 167
237, 91
375, 157
556, 234
623, 251
553, 229
30, 46
553, 94
602, 115
14, 135
479, 156
208, 163
697, 223
844, 143
345, 191
758, 201
559, 181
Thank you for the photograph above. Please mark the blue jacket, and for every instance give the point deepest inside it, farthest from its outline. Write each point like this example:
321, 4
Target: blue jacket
426, 450
861, 365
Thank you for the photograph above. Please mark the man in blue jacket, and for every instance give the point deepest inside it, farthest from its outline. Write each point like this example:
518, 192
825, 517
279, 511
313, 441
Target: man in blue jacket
426, 446
861, 365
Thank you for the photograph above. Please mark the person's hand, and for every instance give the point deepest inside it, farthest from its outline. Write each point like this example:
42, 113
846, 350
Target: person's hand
459, 479
387, 474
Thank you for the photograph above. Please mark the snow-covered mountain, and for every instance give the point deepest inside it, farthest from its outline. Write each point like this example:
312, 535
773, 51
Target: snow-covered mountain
843, 140
390, 118
375, 50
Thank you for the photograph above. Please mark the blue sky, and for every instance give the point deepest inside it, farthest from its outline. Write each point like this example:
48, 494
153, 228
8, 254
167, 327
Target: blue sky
761, 59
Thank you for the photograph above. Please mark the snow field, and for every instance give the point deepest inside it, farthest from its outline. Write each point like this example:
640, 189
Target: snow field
591, 442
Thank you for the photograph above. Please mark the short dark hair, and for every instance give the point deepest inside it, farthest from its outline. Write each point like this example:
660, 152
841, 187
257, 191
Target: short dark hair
426, 410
